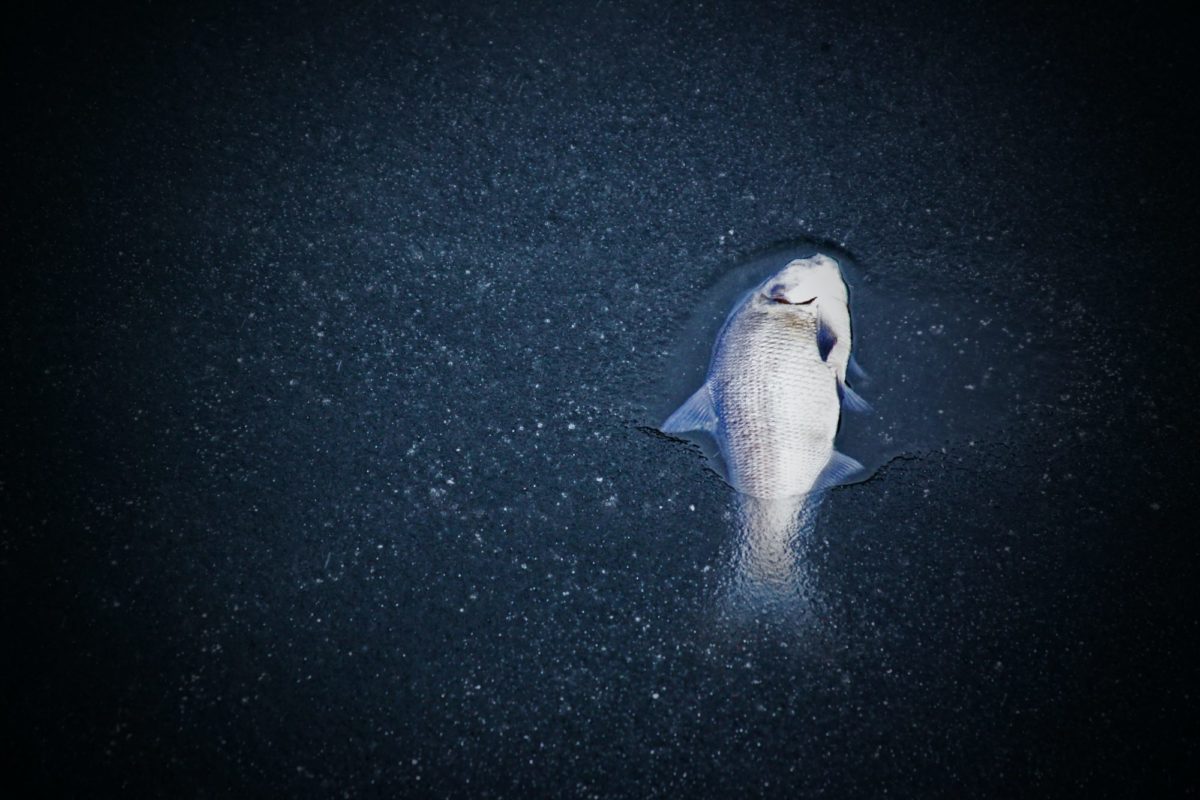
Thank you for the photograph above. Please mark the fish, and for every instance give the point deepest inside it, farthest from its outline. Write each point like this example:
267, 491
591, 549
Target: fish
820, 277
773, 395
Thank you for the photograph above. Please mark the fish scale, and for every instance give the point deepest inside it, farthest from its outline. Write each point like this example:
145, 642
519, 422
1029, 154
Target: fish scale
775, 401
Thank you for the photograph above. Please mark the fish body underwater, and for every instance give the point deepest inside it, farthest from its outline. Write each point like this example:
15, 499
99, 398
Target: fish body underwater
775, 387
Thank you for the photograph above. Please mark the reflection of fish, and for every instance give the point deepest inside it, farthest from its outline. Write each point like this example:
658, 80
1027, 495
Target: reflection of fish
768, 569
772, 536
771, 397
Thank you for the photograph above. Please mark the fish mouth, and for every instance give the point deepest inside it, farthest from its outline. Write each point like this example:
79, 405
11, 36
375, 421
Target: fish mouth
777, 298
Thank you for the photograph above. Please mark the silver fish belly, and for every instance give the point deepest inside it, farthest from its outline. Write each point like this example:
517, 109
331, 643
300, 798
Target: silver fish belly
770, 401
775, 401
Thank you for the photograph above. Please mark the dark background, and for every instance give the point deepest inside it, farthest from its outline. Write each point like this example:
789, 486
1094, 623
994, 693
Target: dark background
329, 335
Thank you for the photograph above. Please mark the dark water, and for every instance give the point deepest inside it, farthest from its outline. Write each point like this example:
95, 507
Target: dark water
334, 338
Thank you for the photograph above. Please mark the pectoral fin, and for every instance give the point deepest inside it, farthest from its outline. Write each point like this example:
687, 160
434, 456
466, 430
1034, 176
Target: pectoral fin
841, 469
826, 339
695, 415
851, 401
855, 370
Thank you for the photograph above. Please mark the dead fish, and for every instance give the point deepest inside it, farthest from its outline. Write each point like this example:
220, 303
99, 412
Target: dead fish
773, 394
819, 278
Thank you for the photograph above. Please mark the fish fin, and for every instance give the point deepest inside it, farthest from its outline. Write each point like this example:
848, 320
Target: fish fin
840, 470
852, 401
856, 371
825, 340
694, 415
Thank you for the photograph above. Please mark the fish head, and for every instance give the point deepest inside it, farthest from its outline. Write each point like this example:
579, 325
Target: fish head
805, 284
